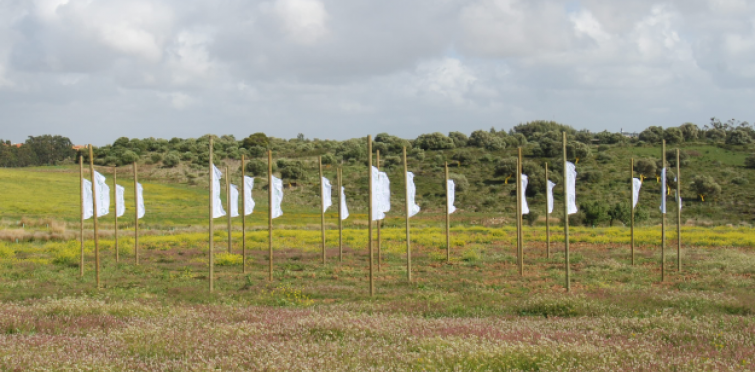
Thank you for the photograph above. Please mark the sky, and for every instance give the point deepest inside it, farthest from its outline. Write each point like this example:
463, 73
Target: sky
96, 70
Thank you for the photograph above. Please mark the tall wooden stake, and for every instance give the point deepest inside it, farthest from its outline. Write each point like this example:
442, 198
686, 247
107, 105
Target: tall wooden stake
212, 225
115, 188
631, 206
340, 217
270, 214
448, 220
519, 221
243, 216
547, 219
566, 217
663, 219
96, 224
678, 214
136, 216
228, 208
379, 252
322, 210
408, 241
81, 225
369, 212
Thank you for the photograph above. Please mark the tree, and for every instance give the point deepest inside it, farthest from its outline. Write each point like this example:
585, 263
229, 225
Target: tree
171, 160
49, 149
434, 141
258, 139
620, 212
352, 149
738, 137
673, 135
577, 150
541, 126
460, 181
328, 159
460, 139
485, 140
645, 167
671, 158
596, 212
506, 167
462, 156
652, 134
750, 161
690, 131
706, 187
128, 157
716, 134
258, 168
291, 169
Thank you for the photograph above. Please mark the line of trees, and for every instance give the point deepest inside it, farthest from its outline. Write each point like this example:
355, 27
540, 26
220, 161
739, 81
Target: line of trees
37, 150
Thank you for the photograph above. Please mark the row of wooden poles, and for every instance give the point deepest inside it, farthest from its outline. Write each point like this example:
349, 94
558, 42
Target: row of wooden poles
339, 175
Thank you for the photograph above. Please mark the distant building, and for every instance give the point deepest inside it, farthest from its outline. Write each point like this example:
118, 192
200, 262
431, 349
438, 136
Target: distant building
79, 147
629, 134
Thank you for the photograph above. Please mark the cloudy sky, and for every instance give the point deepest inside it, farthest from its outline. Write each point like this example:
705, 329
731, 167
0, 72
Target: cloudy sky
95, 70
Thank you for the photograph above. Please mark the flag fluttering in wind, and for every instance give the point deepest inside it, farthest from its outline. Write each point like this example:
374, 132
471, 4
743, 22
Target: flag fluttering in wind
120, 200
412, 194
344, 210
377, 196
103, 194
249, 202
217, 204
88, 208
525, 207
549, 195
451, 190
234, 201
663, 190
139, 200
571, 187
327, 200
385, 185
277, 196
636, 191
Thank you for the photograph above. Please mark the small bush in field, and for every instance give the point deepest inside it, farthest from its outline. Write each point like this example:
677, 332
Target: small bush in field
228, 259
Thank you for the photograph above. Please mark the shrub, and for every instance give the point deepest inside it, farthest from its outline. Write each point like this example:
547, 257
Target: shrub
434, 141
129, 157
258, 168
171, 160
506, 167
460, 139
462, 156
531, 217
740, 181
228, 259
460, 180
156, 158
652, 134
645, 167
673, 135
591, 176
738, 137
596, 212
392, 161
750, 161
486, 140
329, 159
706, 187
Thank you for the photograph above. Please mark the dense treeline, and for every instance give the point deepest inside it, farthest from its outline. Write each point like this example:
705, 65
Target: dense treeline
39, 150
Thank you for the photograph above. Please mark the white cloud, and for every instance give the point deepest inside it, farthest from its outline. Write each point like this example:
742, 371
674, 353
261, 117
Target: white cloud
304, 21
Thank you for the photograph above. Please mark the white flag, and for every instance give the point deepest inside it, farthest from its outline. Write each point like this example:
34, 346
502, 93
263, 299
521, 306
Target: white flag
411, 194
139, 200
451, 186
525, 207
571, 187
344, 210
636, 185
277, 197
217, 204
120, 209
234, 201
88, 208
377, 196
678, 196
248, 186
663, 190
103, 194
549, 196
385, 184
327, 200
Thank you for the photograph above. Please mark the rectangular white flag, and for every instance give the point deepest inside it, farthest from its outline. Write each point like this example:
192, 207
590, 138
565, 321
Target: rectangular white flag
234, 201
571, 187
412, 194
549, 196
525, 207
344, 210
678, 196
87, 207
327, 197
451, 190
139, 201
636, 185
120, 209
385, 184
248, 186
103, 194
217, 204
277, 197
663, 190
377, 196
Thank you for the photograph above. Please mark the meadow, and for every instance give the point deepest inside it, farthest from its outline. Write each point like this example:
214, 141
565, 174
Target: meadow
474, 313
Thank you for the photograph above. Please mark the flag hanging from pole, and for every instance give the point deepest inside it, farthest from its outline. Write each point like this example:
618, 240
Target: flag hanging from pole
377, 196
103, 194
277, 196
120, 210
249, 202
571, 187
217, 204
663, 190
88, 208
385, 185
412, 194
636, 191
525, 207
549, 196
344, 210
234, 201
327, 198
139, 200
451, 190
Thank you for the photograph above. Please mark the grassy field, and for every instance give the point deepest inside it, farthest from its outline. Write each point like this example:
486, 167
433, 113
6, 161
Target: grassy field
474, 313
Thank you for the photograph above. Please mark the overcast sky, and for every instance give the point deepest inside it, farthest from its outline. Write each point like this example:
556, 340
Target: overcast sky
96, 70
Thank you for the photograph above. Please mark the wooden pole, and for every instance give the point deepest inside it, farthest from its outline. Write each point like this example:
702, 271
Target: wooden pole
448, 220
228, 208
81, 225
322, 210
566, 217
212, 227
270, 214
136, 216
663, 219
379, 251
96, 224
547, 219
243, 216
519, 221
369, 212
631, 206
678, 214
115, 188
340, 217
408, 241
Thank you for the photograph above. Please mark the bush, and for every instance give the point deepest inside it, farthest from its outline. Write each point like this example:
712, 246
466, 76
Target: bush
293, 170
462, 156
673, 135
531, 217
418, 154
486, 140
604, 158
329, 159
740, 181
434, 141
750, 161
652, 134
620, 212
738, 137
506, 167
460, 180
460, 139
591, 176
645, 167
706, 187
156, 158
171, 160
129, 157
391, 161
596, 212
258, 168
